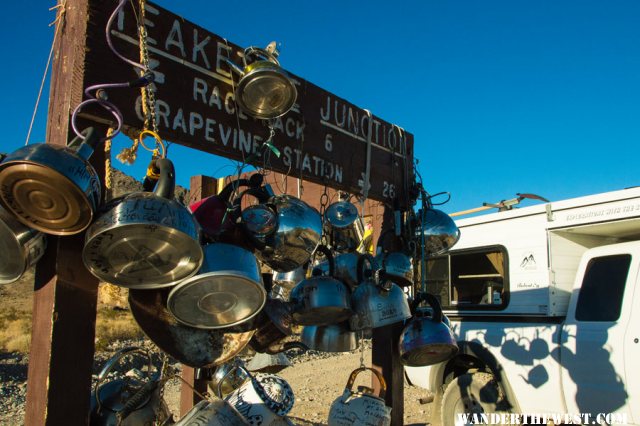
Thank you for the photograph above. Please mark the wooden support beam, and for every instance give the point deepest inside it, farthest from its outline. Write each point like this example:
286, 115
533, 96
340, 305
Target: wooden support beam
62, 339
200, 187
65, 298
386, 359
385, 356
188, 398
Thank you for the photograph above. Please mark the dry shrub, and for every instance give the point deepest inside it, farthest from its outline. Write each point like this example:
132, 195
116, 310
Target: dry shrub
113, 296
112, 325
15, 334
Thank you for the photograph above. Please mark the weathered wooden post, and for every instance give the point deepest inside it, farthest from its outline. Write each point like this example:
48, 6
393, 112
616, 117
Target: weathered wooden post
385, 356
65, 298
200, 187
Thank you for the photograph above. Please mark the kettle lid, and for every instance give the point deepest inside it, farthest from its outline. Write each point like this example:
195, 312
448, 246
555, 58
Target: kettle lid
275, 392
341, 214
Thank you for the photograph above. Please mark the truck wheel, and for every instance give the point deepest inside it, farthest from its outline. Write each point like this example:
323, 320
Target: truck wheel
470, 394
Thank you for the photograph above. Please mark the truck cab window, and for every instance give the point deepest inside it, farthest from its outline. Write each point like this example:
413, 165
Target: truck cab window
473, 279
600, 297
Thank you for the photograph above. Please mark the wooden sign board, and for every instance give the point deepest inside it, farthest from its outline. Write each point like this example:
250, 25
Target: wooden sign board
323, 139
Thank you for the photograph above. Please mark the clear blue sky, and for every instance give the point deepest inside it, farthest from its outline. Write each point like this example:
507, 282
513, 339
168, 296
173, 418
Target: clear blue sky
504, 96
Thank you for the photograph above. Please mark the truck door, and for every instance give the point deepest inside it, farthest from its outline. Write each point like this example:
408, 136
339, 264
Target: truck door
632, 345
592, 346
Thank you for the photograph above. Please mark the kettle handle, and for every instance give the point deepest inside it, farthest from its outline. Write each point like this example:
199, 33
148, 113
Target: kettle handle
327, 253
258, 193
293, 345
383, 237
262, 197
85, 145
254, 181
137, 399
260, 54
167, 182
376, 373
278, 348
230, 187
366, 257
108, 366
238, 364
431, 300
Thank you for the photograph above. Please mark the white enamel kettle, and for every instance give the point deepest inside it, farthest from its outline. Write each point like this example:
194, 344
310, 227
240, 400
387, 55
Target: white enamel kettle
263, 399
362, 407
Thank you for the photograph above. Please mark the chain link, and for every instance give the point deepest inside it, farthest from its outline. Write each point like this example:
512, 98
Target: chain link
361, 338
324, 201
108, 172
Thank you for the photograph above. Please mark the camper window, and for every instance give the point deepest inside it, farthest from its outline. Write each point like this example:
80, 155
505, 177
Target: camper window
600, 297
470, 279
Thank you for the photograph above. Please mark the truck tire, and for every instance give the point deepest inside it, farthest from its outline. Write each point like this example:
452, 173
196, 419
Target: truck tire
476, 393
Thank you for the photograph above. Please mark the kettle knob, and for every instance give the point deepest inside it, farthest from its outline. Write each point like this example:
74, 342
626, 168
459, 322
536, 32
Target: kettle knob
365, 390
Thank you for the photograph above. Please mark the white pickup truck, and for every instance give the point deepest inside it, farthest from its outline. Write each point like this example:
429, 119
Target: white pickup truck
545, 304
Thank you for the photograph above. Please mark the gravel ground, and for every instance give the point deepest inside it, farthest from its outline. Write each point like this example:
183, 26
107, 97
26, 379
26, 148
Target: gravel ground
316, 378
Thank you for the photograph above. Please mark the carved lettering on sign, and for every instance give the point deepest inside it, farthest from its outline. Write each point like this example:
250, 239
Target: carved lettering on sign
324, 138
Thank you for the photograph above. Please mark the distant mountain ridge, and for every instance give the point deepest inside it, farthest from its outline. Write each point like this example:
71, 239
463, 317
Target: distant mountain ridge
122, 184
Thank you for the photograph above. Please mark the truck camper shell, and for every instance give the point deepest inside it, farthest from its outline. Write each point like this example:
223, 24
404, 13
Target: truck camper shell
522, 262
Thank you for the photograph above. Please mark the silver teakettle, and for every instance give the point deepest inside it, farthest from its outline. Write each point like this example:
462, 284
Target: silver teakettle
128, 401
377, 301
344, 226
362, 407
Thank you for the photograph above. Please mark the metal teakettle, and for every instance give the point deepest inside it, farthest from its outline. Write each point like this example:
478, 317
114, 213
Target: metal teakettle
213, 412
346, 268
21, 246
212, 213
397, 264
361, 407
145, 239
227, 291
438, 230
330, 338
52, 188
265, 91
259, 220
296, 237
377, 301
191, 346
426, 339
321, 300
263, 399
226, 378
344, 226
127, 401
